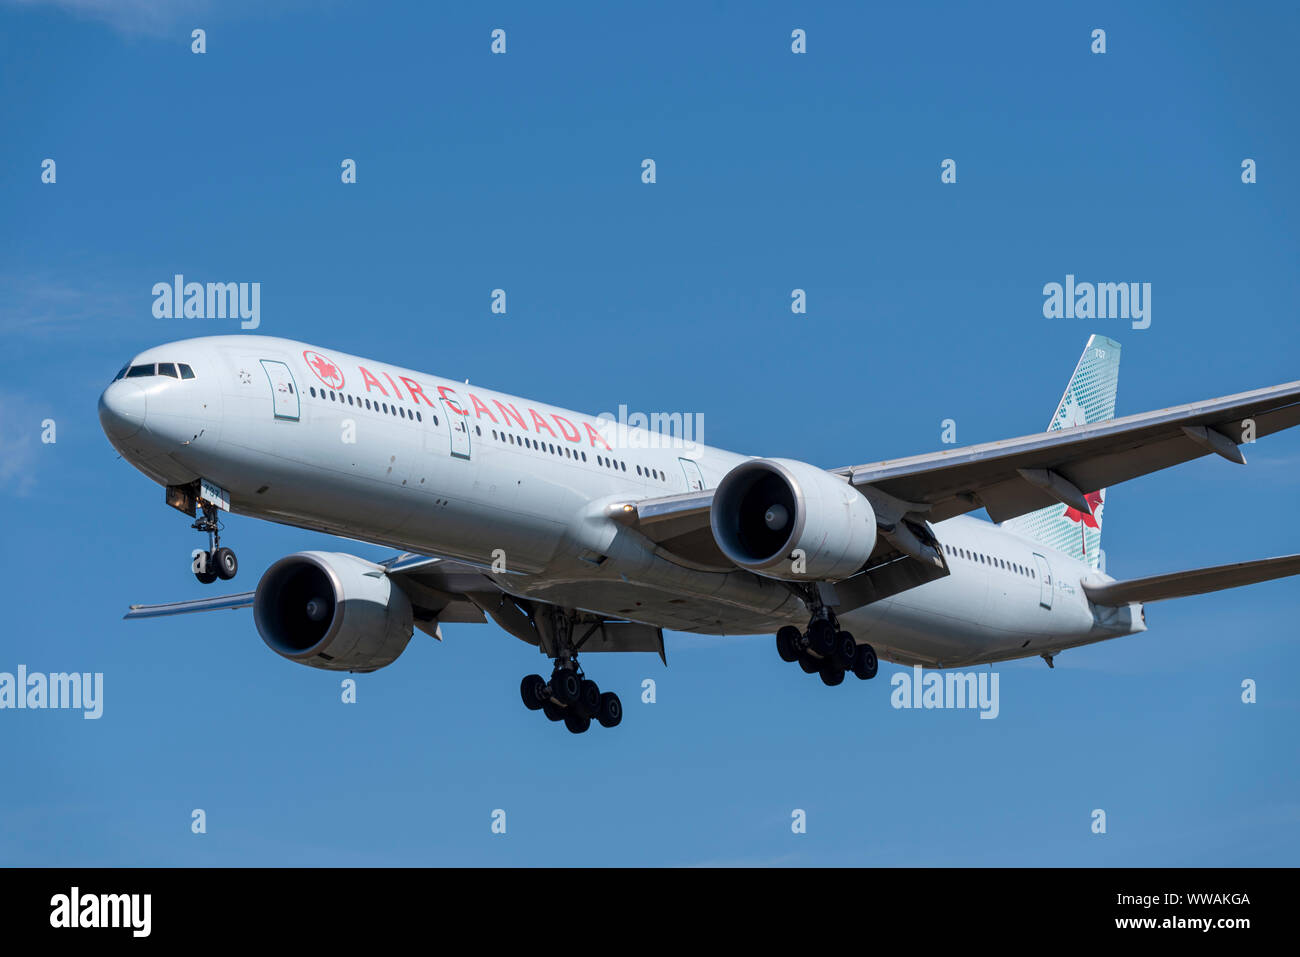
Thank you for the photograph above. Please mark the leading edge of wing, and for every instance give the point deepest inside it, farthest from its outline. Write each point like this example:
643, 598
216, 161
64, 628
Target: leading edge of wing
934, 476
242, 600
893, 468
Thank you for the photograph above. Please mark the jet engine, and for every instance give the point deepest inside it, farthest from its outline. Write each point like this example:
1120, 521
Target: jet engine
332, 610
789, 520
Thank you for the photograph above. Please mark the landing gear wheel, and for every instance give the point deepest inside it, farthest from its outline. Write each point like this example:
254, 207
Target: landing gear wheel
787, 643
611, 710
224, 561
576, 723
821, 637
832, 674
809, 664
588, 702
208, 575
565, 686
533, 690
845, 649
552, 710
865, 664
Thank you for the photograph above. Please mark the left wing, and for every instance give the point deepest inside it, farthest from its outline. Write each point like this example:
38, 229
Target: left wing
437, 588
447, 591
242, 600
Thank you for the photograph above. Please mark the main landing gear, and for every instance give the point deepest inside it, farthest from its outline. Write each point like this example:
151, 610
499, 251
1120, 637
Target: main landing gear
218, 561
570, 696
826, 650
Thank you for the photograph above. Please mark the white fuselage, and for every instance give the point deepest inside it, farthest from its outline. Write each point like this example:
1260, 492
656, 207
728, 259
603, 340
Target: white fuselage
341, 444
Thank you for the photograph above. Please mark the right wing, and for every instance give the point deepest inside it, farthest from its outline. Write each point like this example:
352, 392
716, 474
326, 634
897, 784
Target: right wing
1198, 581
1015, 476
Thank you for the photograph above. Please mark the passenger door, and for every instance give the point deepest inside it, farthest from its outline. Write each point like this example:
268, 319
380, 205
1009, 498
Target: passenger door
284, 391
1044, 581
457, 424
694, 478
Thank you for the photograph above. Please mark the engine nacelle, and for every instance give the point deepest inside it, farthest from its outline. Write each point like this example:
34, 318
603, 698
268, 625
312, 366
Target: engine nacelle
790, 520
333, 611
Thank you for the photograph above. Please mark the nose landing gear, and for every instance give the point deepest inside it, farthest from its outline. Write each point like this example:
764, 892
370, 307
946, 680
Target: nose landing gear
218, 561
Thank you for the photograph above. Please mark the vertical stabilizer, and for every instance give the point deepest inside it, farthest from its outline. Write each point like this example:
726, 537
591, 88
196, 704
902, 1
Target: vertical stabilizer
1089, 397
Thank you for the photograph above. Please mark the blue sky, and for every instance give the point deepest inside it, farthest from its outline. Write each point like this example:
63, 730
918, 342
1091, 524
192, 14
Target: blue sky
775, 172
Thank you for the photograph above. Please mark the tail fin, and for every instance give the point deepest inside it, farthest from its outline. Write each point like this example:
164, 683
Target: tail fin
1089, 397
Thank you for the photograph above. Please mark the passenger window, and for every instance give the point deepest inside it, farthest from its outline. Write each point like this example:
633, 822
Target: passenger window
419, 417
186, 371
350, 402
168, 369
139, 372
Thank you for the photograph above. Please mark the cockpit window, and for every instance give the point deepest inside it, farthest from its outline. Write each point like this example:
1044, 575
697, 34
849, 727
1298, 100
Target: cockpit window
162, 368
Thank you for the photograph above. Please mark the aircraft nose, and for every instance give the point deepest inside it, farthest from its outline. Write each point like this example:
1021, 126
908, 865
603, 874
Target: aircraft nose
122, 409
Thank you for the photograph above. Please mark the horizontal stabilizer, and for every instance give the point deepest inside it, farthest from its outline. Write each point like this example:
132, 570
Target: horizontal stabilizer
1198, 581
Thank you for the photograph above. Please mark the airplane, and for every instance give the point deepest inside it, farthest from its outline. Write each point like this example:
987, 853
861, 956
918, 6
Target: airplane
578, 535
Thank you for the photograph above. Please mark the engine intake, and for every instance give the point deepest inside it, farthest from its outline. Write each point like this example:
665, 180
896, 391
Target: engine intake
790, 520
332, 610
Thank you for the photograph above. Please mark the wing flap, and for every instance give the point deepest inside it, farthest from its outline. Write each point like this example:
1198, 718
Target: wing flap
1197, 581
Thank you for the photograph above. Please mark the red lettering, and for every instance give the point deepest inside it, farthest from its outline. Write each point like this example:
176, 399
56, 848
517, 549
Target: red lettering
510, 413
540, 423
480, 408
396, 390
416, 391
367, 378
451, 403
595, 437
561, 421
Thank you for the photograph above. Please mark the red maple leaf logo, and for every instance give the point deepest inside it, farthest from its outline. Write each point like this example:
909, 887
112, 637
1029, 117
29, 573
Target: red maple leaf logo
1094, 501
325, 370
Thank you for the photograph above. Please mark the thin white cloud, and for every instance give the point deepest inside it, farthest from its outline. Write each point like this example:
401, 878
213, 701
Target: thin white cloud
36, 306
20, 437
153, 17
